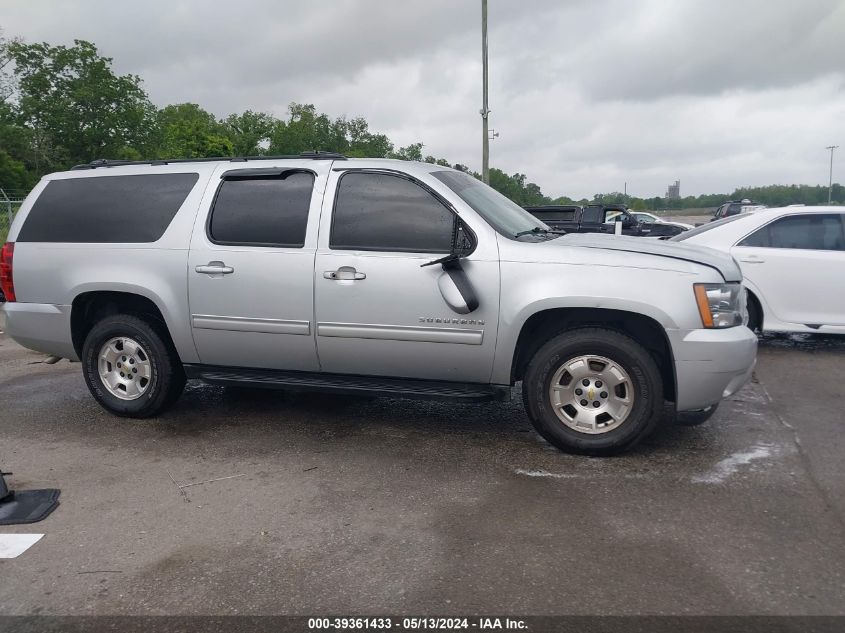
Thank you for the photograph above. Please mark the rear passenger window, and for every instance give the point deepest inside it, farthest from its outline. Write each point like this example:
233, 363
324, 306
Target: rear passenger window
262, 211
819, 232
383, 212
98, 209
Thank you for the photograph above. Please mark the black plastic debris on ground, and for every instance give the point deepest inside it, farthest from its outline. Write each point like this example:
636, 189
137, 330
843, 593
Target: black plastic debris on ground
25, 506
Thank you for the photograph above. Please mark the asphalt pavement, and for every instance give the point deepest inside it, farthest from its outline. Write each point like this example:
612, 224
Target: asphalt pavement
256, 502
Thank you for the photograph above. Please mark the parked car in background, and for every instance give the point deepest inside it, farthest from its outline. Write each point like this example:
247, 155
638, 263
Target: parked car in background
649, 218
735, 207
559, 217
379, 277
793, 265
643, 216
599, 218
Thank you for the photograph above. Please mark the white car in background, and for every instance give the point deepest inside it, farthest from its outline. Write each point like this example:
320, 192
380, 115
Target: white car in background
642, 216
649, 218
793, 265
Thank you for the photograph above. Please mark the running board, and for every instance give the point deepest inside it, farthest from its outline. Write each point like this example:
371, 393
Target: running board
341, 383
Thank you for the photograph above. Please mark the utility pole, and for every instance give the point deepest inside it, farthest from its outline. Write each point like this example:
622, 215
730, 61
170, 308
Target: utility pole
830, 181
485, 112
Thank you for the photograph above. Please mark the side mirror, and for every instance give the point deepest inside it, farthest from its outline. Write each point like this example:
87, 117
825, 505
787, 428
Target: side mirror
463, 244
453, 282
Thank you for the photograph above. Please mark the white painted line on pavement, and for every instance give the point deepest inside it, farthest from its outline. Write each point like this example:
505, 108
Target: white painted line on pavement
13, 545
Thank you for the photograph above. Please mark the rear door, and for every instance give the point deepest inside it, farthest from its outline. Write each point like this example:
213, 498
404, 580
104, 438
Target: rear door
798, 264
251, 267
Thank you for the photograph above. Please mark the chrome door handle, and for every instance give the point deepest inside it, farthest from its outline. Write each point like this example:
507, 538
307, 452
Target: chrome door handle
752, 260
344, 273
215, 268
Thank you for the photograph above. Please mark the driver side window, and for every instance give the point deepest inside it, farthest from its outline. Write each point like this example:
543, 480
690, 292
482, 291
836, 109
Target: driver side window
386, 212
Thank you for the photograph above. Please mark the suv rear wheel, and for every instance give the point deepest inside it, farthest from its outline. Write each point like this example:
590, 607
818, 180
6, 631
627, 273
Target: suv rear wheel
593, 391
130, 366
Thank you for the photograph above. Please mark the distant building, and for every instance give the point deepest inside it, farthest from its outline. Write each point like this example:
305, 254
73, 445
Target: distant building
674, 191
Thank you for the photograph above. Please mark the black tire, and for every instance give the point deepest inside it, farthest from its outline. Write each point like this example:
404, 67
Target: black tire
645, 413
694, 418
167, 375
755, 314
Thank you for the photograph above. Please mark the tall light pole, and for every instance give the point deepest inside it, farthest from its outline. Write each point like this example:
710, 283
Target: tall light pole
485, 112
830, 181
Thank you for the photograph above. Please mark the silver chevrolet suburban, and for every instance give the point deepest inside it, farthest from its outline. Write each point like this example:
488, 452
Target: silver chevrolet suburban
366, 276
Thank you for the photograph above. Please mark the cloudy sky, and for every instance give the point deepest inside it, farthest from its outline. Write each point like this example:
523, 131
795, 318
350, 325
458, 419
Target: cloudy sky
586, 94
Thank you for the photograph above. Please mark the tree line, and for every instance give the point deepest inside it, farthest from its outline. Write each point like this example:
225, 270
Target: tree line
64, 105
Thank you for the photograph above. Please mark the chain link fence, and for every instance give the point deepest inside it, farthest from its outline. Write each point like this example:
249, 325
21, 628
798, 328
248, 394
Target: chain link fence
10, 201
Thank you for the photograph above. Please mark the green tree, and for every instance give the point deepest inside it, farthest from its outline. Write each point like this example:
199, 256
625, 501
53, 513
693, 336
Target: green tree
306, 130
7, 82
249, 132
13, 174
411, 152
76, 107
517, 189
187, 131
364, 144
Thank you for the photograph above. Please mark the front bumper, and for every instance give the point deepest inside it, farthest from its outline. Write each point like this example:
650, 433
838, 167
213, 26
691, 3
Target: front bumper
711, 365
43, 327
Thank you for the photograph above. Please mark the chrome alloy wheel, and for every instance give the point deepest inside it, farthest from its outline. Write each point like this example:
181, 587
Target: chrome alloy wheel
591, 394
125, 368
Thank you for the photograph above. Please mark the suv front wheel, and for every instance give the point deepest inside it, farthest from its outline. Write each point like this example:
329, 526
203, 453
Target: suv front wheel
593, 391
130, 366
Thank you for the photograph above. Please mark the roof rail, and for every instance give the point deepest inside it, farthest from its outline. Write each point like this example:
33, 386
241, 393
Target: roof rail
105, 162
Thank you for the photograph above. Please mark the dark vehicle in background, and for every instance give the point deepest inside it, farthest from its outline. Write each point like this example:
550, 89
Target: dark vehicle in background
735, 207
599, 218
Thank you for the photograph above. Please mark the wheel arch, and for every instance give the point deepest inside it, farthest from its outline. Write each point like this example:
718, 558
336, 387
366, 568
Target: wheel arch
752, 297
646, 330
89, 307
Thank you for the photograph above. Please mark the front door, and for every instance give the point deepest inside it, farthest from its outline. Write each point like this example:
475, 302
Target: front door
379, 312
251, 269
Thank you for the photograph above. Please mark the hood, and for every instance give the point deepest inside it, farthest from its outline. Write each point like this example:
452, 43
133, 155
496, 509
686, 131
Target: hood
722, 262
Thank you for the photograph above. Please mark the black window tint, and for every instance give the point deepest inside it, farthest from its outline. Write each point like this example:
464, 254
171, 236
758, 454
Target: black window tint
383, 212
592, 215
820, 232
759, 238
268, 211
100, 209
555, 216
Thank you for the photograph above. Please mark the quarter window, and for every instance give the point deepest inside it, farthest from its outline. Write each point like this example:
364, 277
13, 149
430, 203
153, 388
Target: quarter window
383, 212
107, 209
819, 232
262, 211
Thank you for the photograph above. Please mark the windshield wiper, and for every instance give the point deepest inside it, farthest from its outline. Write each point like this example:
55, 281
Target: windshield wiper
539, 230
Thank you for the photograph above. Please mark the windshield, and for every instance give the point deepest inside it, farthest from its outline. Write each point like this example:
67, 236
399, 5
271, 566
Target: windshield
706, 227
504, 215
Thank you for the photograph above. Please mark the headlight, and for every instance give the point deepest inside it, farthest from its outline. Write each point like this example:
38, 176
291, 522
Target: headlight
721, 305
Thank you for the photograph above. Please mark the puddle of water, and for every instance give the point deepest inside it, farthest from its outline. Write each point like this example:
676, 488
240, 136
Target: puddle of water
804, 342
730, 465
545, 473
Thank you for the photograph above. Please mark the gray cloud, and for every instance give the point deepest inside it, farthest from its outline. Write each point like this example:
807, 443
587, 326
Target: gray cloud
586, 94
